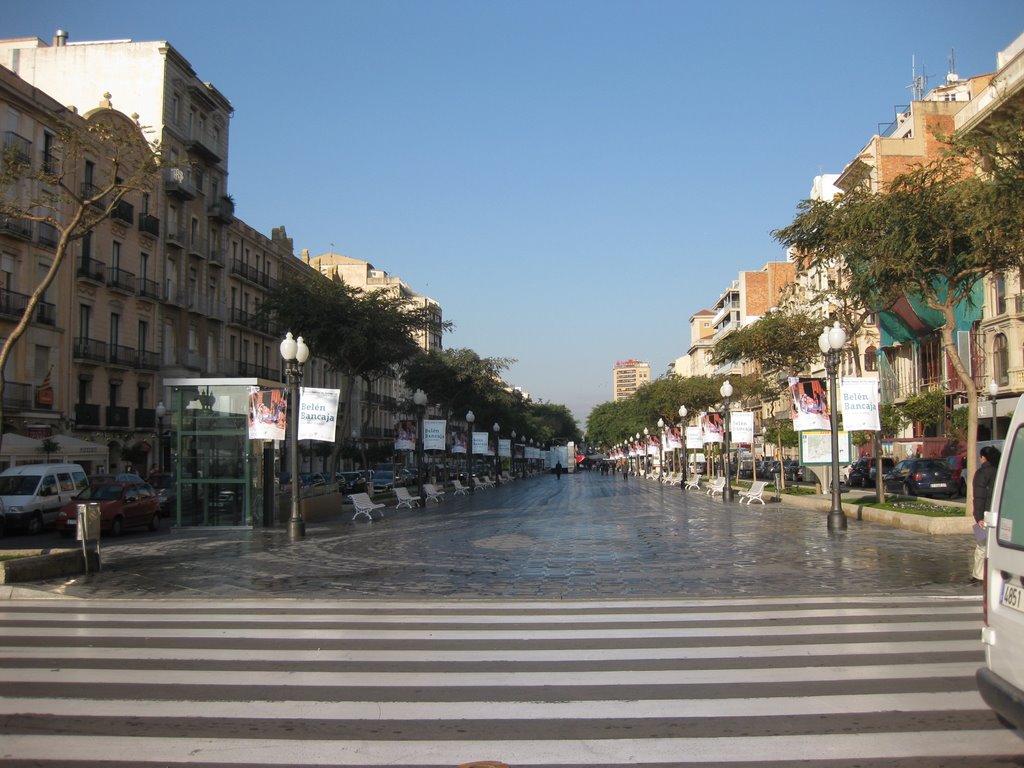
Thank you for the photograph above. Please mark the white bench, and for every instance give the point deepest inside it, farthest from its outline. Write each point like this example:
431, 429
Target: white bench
753, 493
484, 482
693, 482
432, 493
460, 489
716, 487
364, 506
405, 499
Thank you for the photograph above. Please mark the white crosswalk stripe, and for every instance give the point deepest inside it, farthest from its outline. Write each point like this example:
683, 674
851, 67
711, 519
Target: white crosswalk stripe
530, 683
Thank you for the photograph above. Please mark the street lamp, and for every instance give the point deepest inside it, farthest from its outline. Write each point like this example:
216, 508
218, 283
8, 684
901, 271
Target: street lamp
497, 459
295, 353
726, 392
512, 458
161, 411
470, 418
993, 393
419, 399
831, 344
682, 437
661, 449
639, 453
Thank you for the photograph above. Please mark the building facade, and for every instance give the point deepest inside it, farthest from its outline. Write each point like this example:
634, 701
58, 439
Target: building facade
628, 376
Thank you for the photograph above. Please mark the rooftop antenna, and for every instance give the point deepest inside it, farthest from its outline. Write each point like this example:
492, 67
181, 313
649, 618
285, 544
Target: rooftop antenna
951, 76
918, 82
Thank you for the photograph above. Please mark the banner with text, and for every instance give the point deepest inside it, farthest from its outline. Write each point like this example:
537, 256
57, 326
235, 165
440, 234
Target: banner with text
433, 434
860, 405
741, 426
318, 414
481, 444
694, 439
505, 448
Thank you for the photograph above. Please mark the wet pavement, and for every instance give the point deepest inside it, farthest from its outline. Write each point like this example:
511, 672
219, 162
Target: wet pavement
583, 536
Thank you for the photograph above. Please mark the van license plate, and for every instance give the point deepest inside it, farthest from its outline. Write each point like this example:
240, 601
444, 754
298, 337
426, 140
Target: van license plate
1013, 597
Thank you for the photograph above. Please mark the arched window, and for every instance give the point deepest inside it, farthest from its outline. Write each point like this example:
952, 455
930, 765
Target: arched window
1000, 360
870, 359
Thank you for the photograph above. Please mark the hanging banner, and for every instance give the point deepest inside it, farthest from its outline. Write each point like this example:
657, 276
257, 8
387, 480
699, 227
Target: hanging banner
481, 445
459, 441
810, 405
673, 439
694, 438
859, 398
405, 435
268, 414
318, 413
711, 427
741, 427
653, 445
505, 448
433, 435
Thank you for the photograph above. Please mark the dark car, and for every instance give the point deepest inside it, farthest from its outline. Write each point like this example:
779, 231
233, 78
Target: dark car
383, 480
921, 477
351, 482
123, 504
166, 492
862, 472
793, 470
958, 468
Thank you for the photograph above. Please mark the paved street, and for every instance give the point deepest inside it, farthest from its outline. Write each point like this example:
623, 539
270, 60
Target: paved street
587, 621
584, 536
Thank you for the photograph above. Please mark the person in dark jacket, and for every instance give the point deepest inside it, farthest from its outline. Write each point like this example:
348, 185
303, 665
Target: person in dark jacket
981, 485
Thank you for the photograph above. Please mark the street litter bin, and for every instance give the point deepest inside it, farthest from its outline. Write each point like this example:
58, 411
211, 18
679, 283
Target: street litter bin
776, 476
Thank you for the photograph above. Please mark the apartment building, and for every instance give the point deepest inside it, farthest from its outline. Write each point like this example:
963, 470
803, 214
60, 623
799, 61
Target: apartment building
628, 376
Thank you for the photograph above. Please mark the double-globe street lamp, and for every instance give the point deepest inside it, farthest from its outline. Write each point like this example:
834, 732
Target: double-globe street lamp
161, 411
682, 437
993, 394
497, 459
295, 353
726, 392
831, 344
470, 418
419, 399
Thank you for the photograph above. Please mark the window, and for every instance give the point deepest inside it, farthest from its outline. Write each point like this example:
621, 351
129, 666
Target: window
115, 391
115, 328
870, 359
1000, 289
115, 255
143, 335
49, 161
145, 202
1000, 360
90, 170
86, 248
84, 320
143, 265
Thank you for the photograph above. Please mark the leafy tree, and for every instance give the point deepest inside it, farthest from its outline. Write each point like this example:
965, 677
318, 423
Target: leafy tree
779, 343
49, 446
51, 193
925, 408
933, 232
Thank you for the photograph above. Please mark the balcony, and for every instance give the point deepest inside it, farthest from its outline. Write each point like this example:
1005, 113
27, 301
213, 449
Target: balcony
19, 147
252, 274
148, 361
87, 415
90, 193
176, 184
123, 211
148, 289
249, 320
223, 210
91, 269
117, 417
197, 246
176, 237
50, 163
123, 356
46, 313
121, 280
90, 350
149, 225
16, 227
18, 396
47, 235
202, 147
12, 304
217, 254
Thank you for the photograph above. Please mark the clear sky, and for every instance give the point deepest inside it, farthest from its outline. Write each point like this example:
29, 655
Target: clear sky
571, 180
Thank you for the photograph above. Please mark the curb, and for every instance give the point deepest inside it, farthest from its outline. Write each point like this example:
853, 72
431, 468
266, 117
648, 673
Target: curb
47, 564
936, 526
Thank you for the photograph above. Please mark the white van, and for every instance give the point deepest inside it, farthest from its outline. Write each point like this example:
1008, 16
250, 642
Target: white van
1001, 680
32, 494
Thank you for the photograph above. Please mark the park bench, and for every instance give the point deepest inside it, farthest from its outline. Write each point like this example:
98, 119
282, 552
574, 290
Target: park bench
672, 478
753, 493
693, 483
432, 493
716, 487
460, 489
364, 506
484, 482
405, 499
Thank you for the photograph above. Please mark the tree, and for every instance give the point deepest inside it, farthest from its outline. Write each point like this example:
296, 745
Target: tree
780, 342
933, 232
53, 193
49, 446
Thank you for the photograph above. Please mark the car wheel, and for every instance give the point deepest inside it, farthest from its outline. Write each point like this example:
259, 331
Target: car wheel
908, 489
154, 524
35, 524
116, 527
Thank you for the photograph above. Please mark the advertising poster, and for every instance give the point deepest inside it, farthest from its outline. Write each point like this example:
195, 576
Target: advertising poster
481, 446
433, 435
741, 425
859, 398
711, 427
405, 435
318, 413
810, 404
459, 441
673, 439
694, 438
505, 447
268, 414
653, 445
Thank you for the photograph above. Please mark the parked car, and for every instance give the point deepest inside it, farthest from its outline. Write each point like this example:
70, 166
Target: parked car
166, 492
958, 469
351, 482
862, 472
123, 504
383, 480
33, 494
921, 477
793, 470
309, 479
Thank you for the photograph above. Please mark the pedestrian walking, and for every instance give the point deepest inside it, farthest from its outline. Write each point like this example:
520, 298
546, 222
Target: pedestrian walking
982, 482
558, 471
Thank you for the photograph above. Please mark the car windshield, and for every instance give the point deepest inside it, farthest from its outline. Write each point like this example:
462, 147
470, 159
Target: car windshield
18, 485
105, 492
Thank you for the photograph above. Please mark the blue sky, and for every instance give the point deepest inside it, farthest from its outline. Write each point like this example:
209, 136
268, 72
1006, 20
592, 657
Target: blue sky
570, 180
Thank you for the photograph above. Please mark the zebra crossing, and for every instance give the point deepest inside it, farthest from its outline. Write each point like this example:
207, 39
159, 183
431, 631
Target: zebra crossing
751, 681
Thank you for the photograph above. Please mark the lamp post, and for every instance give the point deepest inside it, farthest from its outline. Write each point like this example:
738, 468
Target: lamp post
470, 418
512, 458
682, 437
497, 459
661, 449
831, 344
295, 353
639, 453
419, 399
993, 393
161, 411
726, 392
